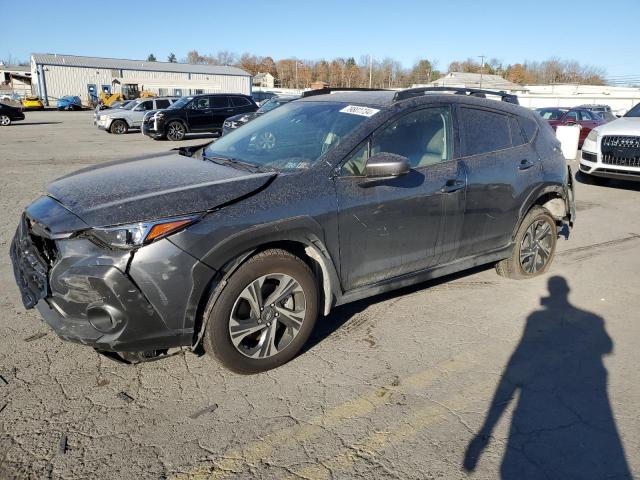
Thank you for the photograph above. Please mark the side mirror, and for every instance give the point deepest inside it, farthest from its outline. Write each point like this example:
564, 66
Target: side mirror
385, 164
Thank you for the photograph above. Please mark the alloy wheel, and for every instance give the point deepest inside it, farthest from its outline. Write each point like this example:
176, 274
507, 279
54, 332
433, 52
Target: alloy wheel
119, 128
176, 131
267, 315
535, 249
4, 120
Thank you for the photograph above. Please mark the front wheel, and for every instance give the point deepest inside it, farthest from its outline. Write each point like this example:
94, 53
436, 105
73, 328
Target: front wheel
535, 246
264, 315
176, 131
5, 121
119, 127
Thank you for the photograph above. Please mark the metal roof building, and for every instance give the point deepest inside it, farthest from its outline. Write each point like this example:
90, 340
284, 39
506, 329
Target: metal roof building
54, 76
477, 80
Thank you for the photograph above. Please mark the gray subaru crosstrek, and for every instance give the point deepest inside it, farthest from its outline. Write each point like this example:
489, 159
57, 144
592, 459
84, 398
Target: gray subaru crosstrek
240, 245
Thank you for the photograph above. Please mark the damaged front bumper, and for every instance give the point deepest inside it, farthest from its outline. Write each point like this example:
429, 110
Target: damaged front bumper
112, 300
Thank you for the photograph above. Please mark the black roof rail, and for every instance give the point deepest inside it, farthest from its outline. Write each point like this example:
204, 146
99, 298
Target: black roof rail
324, 91
474, 92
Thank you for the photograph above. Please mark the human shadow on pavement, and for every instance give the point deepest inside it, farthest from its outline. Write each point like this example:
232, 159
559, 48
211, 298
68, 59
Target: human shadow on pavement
562, 425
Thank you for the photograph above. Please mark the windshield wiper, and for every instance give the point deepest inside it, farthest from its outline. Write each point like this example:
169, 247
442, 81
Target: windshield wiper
250, 167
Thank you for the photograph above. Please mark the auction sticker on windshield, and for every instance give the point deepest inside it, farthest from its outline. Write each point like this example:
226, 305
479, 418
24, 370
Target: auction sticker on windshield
358, 110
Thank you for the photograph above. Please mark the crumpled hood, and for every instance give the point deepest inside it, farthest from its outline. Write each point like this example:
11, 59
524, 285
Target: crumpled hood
148, 188
621, 126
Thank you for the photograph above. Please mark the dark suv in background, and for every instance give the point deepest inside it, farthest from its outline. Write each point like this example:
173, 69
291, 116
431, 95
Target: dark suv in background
240, 246
196, 113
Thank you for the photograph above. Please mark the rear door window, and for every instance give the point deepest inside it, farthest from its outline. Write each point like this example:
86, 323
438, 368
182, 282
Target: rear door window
219, 102
484, 131
572, 115
585, 116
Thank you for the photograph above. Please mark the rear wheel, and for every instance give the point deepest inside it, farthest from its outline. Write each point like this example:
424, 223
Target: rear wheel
176, 131
5, 120
119, 127
264, 315
535, 246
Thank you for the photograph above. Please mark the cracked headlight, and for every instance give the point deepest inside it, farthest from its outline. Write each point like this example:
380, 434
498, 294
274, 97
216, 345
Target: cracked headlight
593, 136
138, 234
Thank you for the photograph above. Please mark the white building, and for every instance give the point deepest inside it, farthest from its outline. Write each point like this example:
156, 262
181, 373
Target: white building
477, 80
54, 76
264, 80
15, 80
620, 99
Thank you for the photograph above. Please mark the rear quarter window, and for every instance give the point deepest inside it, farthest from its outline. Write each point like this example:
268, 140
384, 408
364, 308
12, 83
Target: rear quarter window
240, 101
484, 131
517, 136
529, 127
164, 103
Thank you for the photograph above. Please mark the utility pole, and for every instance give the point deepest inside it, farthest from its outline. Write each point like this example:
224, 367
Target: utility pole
370, 69
296, 73
482, 57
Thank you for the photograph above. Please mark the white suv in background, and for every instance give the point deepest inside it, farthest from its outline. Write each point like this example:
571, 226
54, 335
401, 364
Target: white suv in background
120, 120
612, 150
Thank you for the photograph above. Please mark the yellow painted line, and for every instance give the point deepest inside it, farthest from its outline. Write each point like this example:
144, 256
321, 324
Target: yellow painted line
409, 427
235, 459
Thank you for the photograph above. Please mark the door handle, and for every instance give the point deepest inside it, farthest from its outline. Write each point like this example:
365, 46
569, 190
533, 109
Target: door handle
230, 110
525, 164
452, 185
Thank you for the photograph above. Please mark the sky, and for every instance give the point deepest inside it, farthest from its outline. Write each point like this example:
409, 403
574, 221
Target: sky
599, 33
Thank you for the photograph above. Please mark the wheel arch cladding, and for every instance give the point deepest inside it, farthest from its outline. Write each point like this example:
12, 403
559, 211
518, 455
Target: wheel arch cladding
308, 248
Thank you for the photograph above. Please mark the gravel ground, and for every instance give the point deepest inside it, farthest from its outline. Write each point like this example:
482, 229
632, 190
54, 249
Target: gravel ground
396, 386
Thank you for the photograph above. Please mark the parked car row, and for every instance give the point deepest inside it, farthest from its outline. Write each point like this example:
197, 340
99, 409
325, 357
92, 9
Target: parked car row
586, 119
173, 118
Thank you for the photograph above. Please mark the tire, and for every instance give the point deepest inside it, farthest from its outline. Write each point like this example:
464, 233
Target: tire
5, 121
530, 259
119, 127
253, 352
176, 131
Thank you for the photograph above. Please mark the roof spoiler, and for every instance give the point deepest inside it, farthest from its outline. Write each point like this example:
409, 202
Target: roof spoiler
474, 92
325, 91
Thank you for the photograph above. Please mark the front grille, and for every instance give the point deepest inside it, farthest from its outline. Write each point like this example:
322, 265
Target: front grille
621, 162
30, 268
621, 141
622, 151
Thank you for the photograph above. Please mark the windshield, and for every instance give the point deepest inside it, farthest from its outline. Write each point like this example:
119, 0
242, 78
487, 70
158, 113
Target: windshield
634, 112
292, 137
131, 105
181, 102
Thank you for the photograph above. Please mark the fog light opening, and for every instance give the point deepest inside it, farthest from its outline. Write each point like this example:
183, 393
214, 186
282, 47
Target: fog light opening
101, 319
